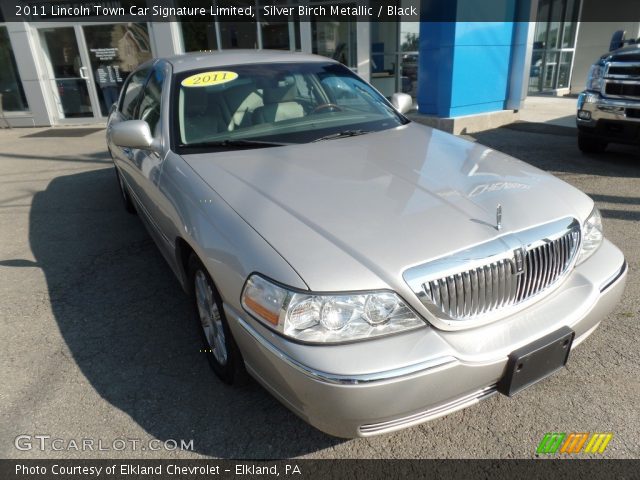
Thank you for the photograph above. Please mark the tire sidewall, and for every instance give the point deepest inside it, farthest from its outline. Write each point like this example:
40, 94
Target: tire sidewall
226, 372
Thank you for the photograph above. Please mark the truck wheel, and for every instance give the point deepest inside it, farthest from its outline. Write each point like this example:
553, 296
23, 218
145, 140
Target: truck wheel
588, 144
217, 342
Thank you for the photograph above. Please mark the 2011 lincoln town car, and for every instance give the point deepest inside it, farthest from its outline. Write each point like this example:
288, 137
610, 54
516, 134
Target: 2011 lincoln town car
370, 272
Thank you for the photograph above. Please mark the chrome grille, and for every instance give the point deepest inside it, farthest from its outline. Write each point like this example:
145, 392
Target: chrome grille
490, 280
621, 80
499, 284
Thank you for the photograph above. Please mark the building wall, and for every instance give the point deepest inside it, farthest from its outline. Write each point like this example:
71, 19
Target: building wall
465, 67
594, 37
21, 37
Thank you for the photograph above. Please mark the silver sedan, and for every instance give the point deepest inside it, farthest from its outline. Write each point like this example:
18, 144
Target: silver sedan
370, 272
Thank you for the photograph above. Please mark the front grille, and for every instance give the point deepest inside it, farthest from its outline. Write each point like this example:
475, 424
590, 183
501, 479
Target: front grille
490, 280
505, 282
499, 284
633, 112
625, 70
619, 89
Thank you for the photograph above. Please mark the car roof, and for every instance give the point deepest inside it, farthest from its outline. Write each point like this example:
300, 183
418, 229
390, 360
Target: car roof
198, 60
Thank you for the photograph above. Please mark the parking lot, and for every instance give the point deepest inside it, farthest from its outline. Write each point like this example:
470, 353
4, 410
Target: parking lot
97, 342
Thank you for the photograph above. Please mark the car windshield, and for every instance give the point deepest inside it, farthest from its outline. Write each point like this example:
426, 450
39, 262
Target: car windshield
262, 105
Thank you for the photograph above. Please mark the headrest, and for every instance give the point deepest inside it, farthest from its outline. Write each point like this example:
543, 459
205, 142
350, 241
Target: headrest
280, 90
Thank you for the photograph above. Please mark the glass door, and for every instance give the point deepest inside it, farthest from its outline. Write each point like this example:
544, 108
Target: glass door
113, 52
87, 65
68, 74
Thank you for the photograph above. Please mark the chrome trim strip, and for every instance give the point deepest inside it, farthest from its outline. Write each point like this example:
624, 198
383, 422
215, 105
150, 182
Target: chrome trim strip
429, 414
337, 379
614, 278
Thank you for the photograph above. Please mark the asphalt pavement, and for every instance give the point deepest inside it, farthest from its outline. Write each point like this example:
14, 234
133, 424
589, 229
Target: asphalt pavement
96, 343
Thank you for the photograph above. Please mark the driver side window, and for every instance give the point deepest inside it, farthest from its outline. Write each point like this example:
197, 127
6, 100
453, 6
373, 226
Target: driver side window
149, 107
132, 93
342, 92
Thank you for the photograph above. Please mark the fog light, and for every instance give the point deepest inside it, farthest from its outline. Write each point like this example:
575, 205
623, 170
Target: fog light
584, 115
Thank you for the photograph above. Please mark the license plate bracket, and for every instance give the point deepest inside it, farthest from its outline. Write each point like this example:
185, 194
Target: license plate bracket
536, 361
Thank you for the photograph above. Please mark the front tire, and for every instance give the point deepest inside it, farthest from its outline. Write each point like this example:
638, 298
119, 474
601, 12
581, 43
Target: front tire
589, 144
217, 342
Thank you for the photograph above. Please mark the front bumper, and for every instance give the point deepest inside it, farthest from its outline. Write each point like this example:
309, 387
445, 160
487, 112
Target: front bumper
379, 386
610, 120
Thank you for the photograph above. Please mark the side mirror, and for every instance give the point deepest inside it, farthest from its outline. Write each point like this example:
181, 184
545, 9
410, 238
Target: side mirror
402, 102
134, 134
617, 40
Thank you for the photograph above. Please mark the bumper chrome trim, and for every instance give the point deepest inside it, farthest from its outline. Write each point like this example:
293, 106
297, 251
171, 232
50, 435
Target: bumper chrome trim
606, 108
430, 414
337, 379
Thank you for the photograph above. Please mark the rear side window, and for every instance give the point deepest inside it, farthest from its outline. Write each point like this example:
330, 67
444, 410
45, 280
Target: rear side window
132, 93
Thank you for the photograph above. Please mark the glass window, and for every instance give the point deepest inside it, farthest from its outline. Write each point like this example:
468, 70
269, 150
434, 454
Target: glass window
132, 93
570, 24
11, 91
409, 46
237, 32
335, 39
287, 102
197, 36
394, 54
149, 109
554, 44
564, 69
274, 33
115, 51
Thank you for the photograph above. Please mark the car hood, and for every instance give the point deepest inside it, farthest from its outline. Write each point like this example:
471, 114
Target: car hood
354, 213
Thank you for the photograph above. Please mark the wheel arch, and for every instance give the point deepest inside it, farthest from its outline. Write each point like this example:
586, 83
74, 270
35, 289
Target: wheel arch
183, 253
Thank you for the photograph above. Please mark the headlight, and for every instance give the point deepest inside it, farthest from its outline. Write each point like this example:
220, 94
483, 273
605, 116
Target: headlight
329, 318
591, 235
595, 77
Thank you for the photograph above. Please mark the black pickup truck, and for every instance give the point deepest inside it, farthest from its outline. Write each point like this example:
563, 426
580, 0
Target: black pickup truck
609, 108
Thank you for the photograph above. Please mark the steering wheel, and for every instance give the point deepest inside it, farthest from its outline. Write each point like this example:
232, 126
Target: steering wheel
331, 107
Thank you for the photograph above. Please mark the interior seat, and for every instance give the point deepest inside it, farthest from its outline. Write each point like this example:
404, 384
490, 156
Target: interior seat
237, 104
279, 103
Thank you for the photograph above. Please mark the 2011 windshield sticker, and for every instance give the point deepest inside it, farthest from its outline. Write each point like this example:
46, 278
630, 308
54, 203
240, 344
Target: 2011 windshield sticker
206, 79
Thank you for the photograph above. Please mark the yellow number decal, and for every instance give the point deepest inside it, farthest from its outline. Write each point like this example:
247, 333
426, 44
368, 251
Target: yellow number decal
206, 79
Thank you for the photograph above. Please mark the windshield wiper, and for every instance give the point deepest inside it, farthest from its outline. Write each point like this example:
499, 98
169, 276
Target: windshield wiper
229, 143
344, 133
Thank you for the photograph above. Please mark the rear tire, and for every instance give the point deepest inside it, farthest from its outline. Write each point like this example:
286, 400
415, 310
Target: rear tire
589, 144
217, 342
124, 193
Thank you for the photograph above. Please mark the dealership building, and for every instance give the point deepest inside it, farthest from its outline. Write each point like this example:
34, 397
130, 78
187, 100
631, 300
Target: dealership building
69, 71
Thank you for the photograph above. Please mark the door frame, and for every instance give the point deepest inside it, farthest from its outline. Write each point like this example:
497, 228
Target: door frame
45, 64
85, 59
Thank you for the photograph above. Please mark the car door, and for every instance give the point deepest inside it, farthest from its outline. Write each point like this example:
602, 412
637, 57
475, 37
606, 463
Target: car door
127, 106
147, 164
